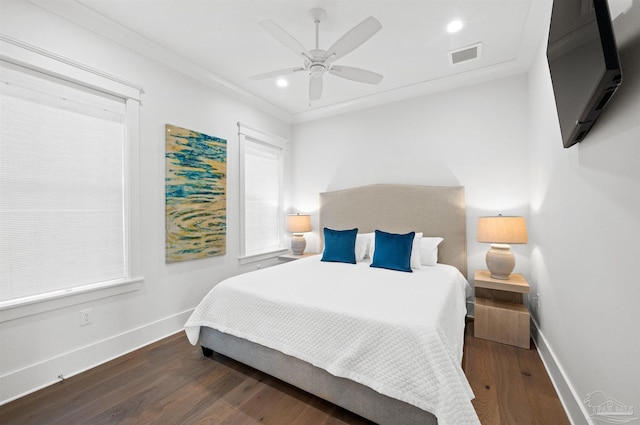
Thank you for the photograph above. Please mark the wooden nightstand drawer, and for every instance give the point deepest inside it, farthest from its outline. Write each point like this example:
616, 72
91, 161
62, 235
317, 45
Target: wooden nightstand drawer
503, 322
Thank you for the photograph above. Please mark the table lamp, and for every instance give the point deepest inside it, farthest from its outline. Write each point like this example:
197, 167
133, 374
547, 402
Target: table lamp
501, 231
298, 224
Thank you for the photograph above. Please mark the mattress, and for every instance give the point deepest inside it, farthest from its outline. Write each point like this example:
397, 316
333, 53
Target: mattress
400, 334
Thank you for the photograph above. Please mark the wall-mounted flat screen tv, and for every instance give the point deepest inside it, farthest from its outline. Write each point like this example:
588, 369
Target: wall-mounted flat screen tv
584, 65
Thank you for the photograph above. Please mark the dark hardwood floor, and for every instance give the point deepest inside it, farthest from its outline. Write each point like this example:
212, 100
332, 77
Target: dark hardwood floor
511, 384
170, 382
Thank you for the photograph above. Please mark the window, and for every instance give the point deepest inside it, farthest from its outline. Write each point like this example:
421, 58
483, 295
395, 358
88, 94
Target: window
66, 191
261, 175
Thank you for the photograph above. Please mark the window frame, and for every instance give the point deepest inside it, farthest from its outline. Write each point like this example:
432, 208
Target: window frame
34, 58
248, 133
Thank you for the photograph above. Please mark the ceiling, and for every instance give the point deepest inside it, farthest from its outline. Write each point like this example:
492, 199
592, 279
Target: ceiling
221, 43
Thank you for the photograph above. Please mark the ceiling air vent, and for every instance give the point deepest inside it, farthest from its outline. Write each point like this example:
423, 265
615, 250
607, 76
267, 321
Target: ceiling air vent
465, 54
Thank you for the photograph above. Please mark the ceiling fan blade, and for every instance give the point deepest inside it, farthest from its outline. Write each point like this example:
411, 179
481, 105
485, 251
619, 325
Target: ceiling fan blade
356, 74
285, 38
353, 38
315, 88
277, 73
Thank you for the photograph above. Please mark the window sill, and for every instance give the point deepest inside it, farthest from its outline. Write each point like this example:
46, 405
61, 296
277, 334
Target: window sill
262, 256
36, 304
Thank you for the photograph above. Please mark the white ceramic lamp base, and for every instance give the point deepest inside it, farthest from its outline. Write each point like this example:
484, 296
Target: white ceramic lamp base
298, 244
500, 261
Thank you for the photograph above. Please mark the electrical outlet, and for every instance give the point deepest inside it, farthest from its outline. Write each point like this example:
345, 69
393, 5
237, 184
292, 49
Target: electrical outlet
85, 317
534, 301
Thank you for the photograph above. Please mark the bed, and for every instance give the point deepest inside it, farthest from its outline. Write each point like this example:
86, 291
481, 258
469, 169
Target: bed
377, 342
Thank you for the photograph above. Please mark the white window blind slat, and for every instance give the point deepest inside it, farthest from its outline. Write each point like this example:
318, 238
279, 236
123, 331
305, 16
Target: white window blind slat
61, 186
262, 189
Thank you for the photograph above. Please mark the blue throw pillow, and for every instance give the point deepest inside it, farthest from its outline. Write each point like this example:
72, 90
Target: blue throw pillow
393, 251
340, 246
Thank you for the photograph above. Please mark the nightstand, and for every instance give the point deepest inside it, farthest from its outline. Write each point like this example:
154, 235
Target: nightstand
500, 314
292, 257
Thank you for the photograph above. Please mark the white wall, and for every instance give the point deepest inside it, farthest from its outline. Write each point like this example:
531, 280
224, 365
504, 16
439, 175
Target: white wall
36, 349
498, 139
585, 228
474, 136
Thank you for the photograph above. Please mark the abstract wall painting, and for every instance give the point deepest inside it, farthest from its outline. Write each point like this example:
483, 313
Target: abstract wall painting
195, 198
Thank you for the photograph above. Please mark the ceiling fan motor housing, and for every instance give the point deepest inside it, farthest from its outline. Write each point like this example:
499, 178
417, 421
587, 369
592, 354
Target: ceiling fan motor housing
318, 61
316, 70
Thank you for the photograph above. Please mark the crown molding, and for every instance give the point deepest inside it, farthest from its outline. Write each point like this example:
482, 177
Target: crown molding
80, 14
88, 18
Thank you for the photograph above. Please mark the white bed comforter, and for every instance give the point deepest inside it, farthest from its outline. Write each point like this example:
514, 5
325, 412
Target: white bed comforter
400, 334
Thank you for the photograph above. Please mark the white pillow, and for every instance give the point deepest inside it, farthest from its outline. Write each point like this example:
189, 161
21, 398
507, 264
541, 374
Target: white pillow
415, 251
363, 245
429, 251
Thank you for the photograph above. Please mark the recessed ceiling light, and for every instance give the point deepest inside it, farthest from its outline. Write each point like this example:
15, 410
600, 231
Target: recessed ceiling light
454, 26
282, 82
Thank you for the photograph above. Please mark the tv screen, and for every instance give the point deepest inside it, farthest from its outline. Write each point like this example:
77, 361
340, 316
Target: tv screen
584, 65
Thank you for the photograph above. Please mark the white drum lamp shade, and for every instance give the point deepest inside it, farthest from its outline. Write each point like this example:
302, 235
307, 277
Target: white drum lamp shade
298, 224
500, 231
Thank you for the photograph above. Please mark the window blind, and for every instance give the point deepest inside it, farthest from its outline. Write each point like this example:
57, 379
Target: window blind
62, 176
262, 191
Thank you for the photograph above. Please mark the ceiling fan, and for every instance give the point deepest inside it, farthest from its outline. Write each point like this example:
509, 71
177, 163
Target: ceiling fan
318, 61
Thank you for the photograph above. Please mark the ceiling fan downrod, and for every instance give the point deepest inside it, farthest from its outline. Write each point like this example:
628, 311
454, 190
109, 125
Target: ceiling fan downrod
318, 15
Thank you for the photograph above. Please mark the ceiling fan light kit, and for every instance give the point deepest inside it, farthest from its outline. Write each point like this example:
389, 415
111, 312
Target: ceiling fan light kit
318, 61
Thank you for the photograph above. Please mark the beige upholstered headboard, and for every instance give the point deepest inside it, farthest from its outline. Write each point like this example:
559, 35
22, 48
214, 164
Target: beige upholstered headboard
432, 210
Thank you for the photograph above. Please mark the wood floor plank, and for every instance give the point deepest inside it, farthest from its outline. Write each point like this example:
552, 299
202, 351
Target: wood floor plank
187, 404
63, 395
248, 388
261, 406
288, 407
513, 402
549, 411
217, 413
479, 369
124, 397
84, 394
540, 390
170, 382
316, 411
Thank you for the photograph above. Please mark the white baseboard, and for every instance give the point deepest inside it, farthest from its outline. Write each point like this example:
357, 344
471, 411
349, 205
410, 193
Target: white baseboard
24, 381
570, 400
